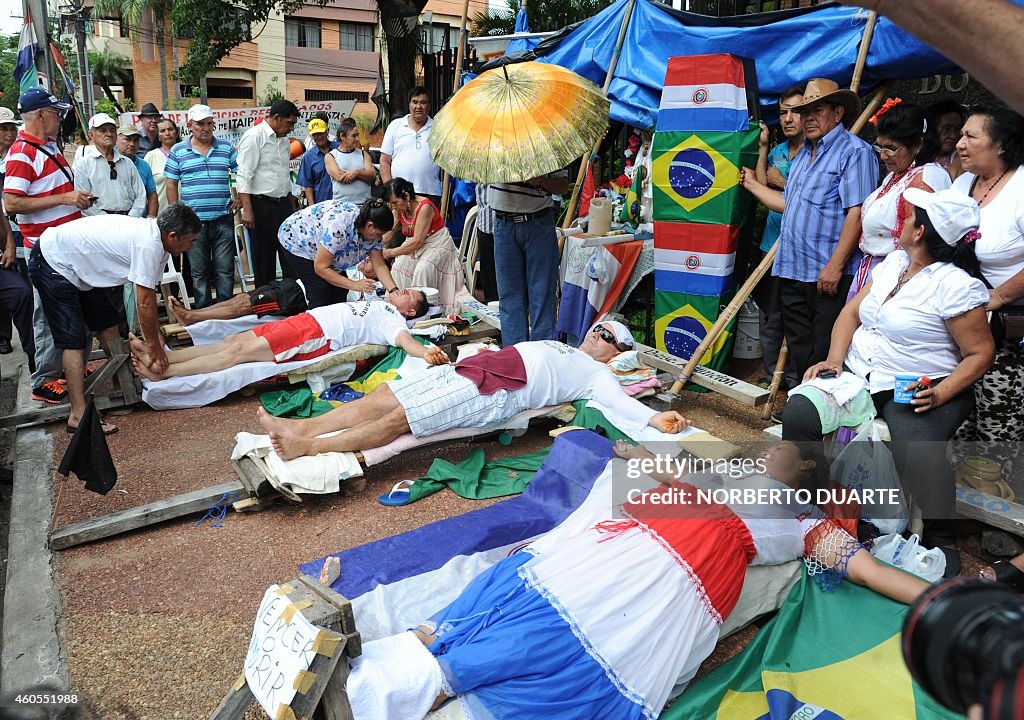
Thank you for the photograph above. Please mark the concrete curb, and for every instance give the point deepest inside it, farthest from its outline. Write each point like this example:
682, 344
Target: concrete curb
32, 651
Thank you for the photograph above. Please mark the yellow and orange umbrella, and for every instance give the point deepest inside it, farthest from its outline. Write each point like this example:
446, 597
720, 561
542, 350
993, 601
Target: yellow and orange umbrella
517, 122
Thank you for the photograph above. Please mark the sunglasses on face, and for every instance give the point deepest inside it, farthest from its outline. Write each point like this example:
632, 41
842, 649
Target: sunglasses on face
609, 337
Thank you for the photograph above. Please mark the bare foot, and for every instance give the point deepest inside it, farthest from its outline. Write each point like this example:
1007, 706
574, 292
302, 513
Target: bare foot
143, 369
289, 447
182, 314
137, 345
274, 424
74, 421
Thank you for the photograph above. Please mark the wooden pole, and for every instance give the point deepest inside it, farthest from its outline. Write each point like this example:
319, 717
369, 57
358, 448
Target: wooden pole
460, 56
748, 287
862, 54
773, 389
872, 107
56, 506
574, 199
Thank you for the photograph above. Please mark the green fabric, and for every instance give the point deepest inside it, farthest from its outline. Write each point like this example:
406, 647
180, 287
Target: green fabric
475, 479
298, 403
391, 361
595, 420
832, 415
826, 655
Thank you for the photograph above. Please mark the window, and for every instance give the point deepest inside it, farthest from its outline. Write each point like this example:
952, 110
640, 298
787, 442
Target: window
438, 36
325, 95
232, 92
357, 36
299, 32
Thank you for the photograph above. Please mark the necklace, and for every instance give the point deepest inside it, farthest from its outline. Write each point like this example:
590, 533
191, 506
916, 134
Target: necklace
895, 179
903, 280
990, 187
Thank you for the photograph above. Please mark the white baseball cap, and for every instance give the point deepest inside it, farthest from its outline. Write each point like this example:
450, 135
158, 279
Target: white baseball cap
7, 116
99, 120
952, 213
199, 112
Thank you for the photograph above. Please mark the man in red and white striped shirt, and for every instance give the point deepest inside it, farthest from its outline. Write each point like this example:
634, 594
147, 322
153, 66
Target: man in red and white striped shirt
39, 187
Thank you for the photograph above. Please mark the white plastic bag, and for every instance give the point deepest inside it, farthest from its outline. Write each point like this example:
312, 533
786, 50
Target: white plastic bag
867, 464
908, 555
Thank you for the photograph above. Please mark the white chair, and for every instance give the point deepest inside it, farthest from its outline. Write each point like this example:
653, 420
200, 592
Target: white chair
469, 250
173, 276
242, 247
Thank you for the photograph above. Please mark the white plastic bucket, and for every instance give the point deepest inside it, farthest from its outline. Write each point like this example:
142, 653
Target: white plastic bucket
748, 334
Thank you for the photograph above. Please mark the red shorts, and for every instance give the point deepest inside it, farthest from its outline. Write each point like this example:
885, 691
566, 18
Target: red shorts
297, 338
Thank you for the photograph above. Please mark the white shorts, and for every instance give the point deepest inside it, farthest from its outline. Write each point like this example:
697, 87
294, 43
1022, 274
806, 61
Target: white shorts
440, 399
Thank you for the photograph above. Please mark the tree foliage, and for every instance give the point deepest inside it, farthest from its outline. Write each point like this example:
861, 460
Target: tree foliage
544, 15
8, 58
110, 68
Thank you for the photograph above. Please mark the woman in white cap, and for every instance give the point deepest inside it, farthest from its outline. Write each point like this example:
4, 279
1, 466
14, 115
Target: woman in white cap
922, 313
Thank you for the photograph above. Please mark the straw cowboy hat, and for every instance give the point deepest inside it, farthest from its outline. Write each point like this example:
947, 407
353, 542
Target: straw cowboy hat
824, 89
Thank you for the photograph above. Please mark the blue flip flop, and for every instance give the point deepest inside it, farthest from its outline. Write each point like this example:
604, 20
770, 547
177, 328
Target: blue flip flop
399, 494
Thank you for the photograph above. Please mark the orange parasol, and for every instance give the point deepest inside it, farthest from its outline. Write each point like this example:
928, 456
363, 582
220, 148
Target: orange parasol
517, 122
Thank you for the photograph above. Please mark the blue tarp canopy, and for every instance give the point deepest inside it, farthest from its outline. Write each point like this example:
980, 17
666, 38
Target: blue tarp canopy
787, 47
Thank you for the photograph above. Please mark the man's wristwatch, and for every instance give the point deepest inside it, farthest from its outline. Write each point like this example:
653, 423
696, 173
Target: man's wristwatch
391, 290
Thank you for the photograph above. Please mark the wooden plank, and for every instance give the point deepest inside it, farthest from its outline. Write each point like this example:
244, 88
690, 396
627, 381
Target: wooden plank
334, 704
142, 516
234, 704
705, 377
252, 477
486, 314
323, 666
53, 413
348, 619
105, 374
254, 504
990, 510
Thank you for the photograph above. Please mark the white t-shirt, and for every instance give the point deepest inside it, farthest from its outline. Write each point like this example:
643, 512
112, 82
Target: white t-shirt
410, 155
908, 334
557, 373
879, 214
1000, 249
106, 251
352, 324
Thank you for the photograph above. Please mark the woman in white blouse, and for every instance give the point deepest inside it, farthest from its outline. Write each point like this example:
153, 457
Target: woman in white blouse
350, 166
908, 146
921, 313
992, 153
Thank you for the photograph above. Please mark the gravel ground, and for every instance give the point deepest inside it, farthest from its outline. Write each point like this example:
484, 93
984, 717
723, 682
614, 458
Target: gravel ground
157, 621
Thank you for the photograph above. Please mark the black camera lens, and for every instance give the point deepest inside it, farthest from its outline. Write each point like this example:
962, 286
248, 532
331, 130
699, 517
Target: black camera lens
963, 641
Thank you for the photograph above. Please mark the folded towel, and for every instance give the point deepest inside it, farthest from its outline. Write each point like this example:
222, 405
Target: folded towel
314, 474
395, 677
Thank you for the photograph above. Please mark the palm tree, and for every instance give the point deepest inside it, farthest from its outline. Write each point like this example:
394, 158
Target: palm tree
544, 15
109, 68
132, 11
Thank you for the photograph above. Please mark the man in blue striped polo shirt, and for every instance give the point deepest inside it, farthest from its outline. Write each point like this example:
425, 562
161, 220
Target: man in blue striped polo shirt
829, 179
197, 172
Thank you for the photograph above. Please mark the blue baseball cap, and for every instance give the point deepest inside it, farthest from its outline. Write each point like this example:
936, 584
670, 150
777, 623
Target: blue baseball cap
39, 98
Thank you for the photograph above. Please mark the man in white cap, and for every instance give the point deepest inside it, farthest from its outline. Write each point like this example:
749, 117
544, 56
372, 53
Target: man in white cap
313, 178
480, 391
198, 170
128, 145
108, 175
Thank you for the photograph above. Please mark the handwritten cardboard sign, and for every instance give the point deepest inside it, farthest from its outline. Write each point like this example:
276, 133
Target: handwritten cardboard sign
280, 651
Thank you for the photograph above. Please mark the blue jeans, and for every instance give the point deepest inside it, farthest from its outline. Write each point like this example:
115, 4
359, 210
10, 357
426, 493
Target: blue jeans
526, 268
213, 256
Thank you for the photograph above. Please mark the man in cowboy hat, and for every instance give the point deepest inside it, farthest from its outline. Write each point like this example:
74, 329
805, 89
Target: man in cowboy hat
830, 177
149, 118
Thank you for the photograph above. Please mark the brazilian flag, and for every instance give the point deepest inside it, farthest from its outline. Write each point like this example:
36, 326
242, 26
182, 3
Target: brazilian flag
825, 656
695, 176
683, 320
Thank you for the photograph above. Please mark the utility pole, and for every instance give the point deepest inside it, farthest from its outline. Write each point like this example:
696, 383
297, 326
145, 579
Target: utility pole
79, 14
37, 10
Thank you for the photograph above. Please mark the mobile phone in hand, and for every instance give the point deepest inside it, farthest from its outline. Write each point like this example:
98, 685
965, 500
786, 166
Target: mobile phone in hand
827, 373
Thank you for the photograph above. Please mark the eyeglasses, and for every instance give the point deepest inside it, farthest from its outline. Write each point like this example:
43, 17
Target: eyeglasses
889, 151
113, 170
609, 337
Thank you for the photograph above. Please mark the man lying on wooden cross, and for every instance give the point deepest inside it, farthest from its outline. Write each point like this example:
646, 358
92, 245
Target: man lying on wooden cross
480, 391
302, 337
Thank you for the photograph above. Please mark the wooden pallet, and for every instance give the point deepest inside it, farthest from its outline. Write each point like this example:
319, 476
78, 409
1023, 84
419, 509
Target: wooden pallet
727, 385
326, 609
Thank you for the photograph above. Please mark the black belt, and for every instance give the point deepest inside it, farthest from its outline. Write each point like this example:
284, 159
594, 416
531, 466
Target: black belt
268, 198
520, 217
117, 212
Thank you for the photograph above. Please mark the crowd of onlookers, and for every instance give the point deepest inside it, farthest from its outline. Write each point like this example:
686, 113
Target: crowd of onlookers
919, 273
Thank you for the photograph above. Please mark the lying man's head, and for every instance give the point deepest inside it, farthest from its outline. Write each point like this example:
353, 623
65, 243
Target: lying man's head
411, 303
607, 339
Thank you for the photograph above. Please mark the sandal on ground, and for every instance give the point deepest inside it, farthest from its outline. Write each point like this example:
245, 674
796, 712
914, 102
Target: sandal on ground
108, 429
399, 494
1009, 574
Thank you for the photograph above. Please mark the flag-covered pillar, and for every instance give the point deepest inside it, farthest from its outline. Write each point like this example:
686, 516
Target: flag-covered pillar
36, 10
704, 137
